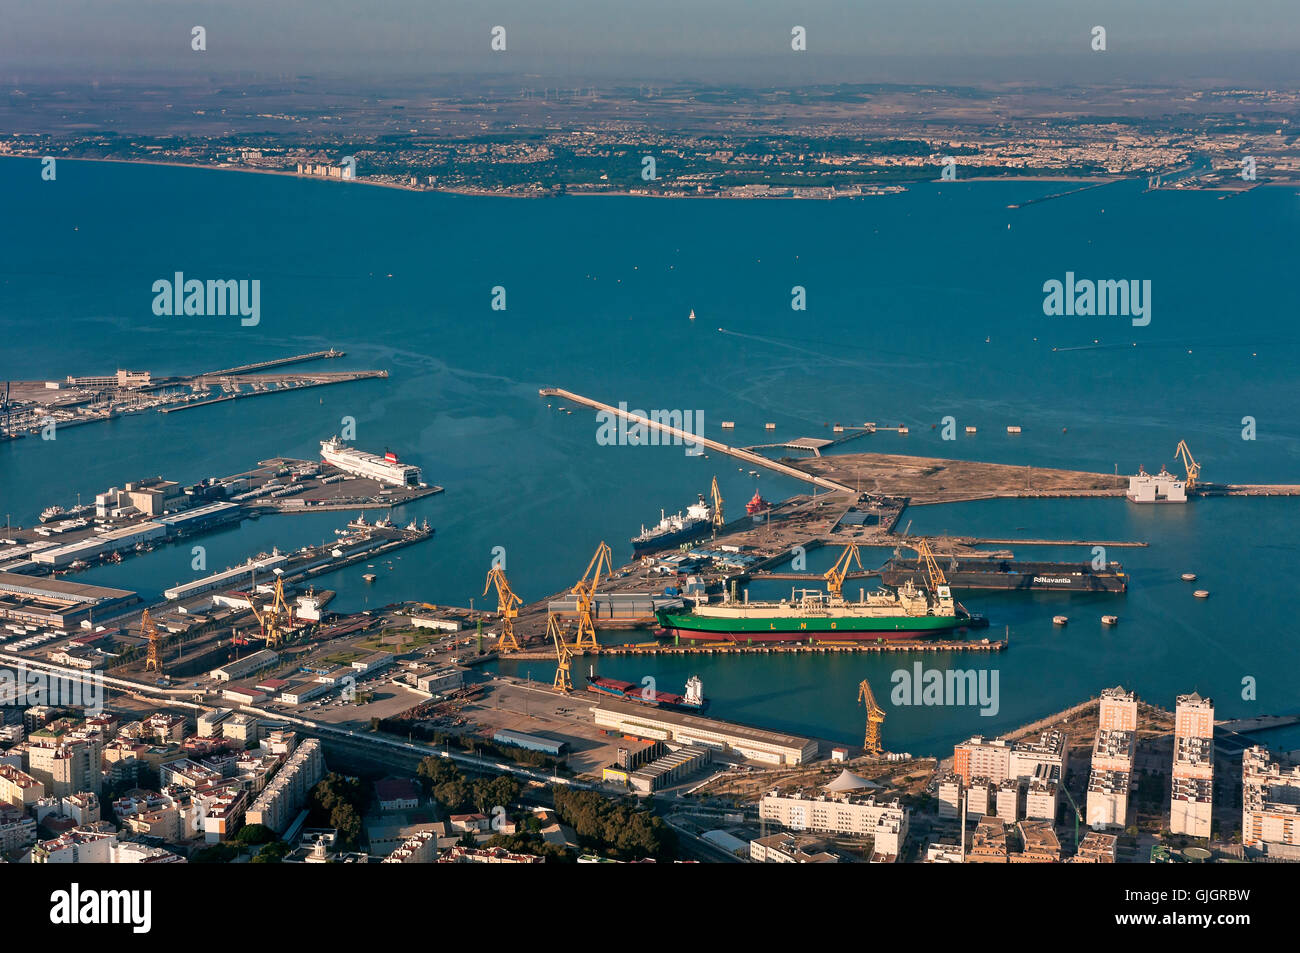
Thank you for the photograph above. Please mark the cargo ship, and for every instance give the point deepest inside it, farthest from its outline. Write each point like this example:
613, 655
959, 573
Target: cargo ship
692, 701
981, 572
908, 613
386, 469
671, 530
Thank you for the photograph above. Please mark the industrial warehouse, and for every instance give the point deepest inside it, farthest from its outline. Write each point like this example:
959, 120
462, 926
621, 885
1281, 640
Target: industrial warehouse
755, 744
55, 603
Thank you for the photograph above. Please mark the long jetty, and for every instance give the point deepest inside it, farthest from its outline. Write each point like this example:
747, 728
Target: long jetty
755, 459
274, 362
323, 380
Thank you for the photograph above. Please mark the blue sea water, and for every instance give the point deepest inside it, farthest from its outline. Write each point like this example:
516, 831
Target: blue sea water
920, 305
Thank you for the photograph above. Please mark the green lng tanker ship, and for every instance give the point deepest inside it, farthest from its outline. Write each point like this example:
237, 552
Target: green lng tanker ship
908, 613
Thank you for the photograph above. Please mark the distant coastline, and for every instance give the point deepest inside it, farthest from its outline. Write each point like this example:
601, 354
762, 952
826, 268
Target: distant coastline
492, 193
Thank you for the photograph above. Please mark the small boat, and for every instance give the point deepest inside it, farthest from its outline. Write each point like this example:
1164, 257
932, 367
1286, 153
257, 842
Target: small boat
369, 577
1189, 577
1202, 593
1060, 620
970, 430
1109, 619
692, 314
1013, 429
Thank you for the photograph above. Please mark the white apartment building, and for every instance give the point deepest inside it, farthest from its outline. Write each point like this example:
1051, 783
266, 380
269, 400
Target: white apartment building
1192, 799
886, 822
1270, 805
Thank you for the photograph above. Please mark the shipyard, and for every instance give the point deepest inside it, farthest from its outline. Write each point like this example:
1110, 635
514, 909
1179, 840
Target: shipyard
417, 526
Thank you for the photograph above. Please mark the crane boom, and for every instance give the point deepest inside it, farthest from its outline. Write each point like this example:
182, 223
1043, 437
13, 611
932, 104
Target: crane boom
718, 519
836, 575
875, 719
150, 633
1181, 452
932, 570
275, 618
507, 603
563, 683
585, 590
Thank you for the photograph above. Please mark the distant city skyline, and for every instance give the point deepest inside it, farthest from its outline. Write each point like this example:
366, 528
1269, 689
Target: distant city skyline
949, 41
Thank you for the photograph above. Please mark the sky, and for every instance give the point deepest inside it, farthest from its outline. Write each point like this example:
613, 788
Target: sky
950, 41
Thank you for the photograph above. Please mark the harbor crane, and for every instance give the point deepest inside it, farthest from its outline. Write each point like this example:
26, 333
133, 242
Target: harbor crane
149, 631
275, 619
585, 590
563, 682
875, 720
1193, 468
836, 575
507, 607
718, 519
935, 575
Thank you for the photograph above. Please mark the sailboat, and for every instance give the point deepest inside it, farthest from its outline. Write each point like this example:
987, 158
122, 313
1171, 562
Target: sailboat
692, 314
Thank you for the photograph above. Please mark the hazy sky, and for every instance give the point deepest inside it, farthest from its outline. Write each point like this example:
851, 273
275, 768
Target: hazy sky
848, 40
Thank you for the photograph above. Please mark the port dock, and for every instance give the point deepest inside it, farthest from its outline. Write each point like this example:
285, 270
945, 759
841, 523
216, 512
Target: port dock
779, 648
689, 438
34, 406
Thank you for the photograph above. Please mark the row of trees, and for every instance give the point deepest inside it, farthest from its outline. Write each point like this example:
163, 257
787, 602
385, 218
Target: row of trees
482, 746
455, 793
615, 828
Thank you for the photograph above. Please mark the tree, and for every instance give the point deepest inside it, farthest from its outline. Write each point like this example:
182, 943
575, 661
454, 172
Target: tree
489, 793
253, 834
452, 794
214, 854
272, 853
614, 826
434, 771
347, 820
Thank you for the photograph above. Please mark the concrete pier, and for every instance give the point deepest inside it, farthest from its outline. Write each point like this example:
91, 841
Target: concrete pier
749, 457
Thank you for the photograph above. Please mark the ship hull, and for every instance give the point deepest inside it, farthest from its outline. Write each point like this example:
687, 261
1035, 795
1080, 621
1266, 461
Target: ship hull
821, 629
643, 547
627, 692
1009, 574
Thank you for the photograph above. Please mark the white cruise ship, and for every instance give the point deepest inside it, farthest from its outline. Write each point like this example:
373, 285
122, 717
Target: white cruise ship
385, 469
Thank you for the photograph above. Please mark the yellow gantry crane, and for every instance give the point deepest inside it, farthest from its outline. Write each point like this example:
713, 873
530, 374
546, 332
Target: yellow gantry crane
836, 575
1193, 468
507, 603
585, 590
276, 619
716, 494
932, 570
149, 631
875, 719
563, 683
